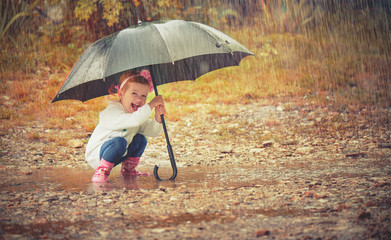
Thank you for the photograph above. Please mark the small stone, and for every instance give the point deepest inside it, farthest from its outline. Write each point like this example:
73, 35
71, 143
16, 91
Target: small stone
356, 154
109, 214
91, 203
384, 145
103, 233
289, 142
232, 126
73, 197
256, 150
158, 230
227, 150
364, 215
305, 150
267, 144
261, 233
192, 210
26, 171
320, 195
309, 194
75, 143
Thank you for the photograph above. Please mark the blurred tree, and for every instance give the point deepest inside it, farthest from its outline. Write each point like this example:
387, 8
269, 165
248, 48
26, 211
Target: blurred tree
102, 17
13, 14
246, 8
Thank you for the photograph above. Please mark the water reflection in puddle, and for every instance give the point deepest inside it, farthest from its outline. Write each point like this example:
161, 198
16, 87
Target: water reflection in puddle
16, 181
80, 179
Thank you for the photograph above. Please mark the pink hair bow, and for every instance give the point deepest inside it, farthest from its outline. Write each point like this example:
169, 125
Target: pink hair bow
147, 75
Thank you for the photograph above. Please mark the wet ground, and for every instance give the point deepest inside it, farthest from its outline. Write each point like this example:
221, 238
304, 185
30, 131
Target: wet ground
322, 199
69, 179
320, 185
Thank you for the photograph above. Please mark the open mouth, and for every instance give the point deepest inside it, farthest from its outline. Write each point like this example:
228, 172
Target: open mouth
135, 107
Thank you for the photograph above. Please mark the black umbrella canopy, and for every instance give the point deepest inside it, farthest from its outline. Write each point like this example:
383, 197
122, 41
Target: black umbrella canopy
174, 50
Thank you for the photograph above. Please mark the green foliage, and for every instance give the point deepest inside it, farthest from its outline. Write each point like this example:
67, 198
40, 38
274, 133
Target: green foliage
84, 9
119, 12
111, 9
114, 10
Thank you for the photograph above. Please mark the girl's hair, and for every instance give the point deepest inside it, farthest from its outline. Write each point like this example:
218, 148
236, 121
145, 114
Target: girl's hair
132, 76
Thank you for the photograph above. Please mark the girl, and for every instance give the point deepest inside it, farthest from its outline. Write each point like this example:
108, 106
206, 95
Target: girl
120, 134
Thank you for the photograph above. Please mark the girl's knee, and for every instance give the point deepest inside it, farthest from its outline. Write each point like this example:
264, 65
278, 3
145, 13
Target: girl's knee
120, 142
140, 139
113, 149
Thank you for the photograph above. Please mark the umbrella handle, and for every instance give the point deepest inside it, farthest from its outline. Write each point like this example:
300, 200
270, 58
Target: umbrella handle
169, 148
170, 153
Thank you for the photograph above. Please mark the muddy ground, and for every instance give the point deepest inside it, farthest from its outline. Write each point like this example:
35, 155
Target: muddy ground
268, 170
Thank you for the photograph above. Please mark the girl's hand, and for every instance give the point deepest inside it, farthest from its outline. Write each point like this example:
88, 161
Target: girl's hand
156, 101
159, 110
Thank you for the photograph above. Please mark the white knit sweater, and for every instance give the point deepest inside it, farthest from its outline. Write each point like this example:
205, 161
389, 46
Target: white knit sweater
115, 121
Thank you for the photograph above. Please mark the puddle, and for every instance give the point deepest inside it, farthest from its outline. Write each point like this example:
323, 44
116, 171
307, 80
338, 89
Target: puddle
80, 179
16, 181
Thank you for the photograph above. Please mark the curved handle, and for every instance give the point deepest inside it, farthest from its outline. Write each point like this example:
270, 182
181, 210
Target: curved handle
156, 174
173, 165
170, 152
174, 173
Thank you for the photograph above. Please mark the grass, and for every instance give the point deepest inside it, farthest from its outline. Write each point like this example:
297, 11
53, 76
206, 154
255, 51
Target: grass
347, 64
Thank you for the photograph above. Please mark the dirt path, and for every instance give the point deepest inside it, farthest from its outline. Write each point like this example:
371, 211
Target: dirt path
278, 171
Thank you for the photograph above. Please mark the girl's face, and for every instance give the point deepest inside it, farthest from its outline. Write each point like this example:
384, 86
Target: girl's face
133, 96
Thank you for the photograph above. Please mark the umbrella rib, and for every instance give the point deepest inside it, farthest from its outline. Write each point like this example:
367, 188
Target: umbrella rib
233, 59
211, 38
165, 44
193, 76
109, 54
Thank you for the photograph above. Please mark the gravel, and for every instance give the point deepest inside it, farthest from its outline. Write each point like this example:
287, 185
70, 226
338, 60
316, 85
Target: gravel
286, 170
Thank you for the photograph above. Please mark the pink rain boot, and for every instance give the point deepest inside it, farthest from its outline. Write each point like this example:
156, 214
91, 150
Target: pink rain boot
103, 171
129, 167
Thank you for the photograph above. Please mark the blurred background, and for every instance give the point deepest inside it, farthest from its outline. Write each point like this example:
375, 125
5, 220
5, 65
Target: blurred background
331, 52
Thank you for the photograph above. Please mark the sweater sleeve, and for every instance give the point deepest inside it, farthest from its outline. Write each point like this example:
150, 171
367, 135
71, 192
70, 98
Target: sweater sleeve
115, 117
150, 128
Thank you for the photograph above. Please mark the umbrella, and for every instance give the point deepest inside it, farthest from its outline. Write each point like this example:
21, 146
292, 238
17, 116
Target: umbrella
173, 50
